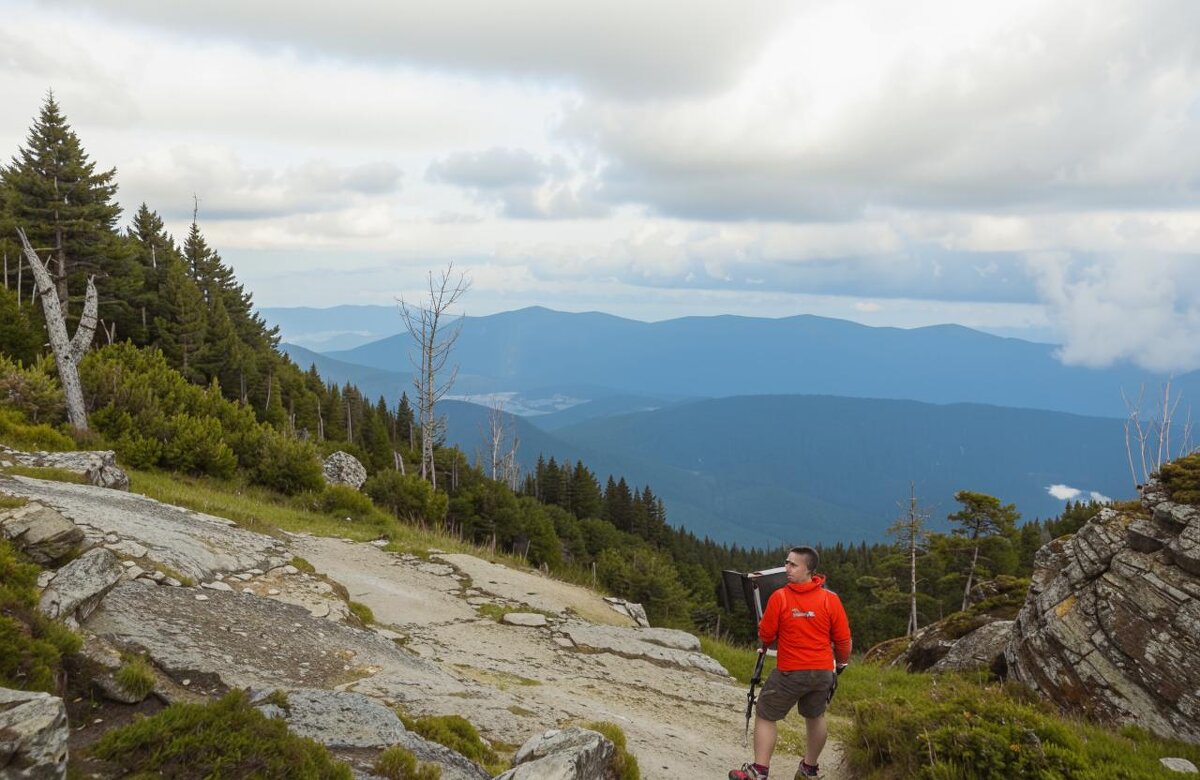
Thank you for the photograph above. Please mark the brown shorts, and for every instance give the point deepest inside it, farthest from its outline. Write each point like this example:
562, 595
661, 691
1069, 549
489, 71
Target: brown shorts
806, 690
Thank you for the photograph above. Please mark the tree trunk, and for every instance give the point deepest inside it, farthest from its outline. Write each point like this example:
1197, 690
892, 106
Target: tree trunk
970, 578
67, 353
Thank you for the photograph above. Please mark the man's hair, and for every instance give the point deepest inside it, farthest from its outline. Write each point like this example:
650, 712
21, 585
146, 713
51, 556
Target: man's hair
811, 557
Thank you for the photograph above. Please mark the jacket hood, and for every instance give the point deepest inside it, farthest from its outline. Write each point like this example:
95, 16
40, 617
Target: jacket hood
805, 587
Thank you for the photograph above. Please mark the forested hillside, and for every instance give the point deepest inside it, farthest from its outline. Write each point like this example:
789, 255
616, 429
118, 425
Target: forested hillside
186, 378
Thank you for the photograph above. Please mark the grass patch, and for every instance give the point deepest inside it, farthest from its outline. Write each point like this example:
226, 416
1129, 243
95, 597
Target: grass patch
738, 660
521, 711
501, 680
398, 763
624, 764
12, 502
136, 676
950, 726
303, 565
362, 612
32, 646
457, 733
226, 738
174, 574
49, 473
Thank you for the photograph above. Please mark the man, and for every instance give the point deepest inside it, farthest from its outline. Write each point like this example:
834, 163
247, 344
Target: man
811, 632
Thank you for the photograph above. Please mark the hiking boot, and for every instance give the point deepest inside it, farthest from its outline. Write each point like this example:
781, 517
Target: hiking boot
807, 770
747, 772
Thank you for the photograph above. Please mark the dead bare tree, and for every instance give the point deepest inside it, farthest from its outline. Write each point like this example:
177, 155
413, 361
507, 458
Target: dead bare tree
67, 352
501, 444
434, 341
910, 532
1148, 440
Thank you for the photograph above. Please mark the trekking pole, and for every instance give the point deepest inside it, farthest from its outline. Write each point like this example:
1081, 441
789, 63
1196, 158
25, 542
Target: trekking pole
755, 679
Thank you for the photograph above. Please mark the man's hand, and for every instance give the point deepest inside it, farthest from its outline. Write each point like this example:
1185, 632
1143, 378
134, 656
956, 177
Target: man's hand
841, 668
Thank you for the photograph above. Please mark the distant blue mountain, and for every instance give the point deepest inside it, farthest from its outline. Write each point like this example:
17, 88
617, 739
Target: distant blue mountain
766, 470
696, 357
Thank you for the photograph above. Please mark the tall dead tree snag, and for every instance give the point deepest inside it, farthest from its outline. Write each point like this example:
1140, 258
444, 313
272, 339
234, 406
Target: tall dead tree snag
67, 352
910, 532
434, 341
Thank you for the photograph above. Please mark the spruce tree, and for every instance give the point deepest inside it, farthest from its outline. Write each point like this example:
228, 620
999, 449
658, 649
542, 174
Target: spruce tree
53, 191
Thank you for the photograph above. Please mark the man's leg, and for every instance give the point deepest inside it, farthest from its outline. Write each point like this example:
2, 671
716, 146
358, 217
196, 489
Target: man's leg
765, 734
816, 730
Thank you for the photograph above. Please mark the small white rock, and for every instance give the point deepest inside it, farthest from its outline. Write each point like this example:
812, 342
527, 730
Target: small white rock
201, 597
290, 569
273, 592
1179, 765
216, 586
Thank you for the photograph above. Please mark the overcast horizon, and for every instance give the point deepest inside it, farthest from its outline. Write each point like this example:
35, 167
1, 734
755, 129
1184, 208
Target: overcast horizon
1026, 169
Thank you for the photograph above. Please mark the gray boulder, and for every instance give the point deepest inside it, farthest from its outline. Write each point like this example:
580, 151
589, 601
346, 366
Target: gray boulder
40, 532
1111, 625
979, 650
569, 754
33, 735
79, 586
342, 468
338, 719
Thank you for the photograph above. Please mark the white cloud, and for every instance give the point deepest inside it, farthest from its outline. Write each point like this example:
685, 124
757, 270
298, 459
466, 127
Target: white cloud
622, 47
1145, 310
1068, 493
1064, 492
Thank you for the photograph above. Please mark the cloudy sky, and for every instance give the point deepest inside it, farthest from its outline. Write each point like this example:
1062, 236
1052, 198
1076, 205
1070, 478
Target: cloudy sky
1032, 168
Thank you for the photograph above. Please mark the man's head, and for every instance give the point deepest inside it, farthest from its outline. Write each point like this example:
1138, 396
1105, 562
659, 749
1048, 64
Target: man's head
801, 564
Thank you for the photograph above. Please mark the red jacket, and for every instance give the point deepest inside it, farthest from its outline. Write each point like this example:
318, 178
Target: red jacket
809, 625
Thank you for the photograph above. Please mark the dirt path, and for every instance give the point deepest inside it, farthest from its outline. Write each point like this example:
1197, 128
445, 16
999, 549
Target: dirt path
680, 723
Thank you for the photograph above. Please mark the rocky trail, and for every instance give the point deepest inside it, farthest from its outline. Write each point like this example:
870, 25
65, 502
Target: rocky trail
214, 606
680, 722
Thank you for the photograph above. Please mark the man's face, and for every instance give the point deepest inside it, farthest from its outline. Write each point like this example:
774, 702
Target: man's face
797, 568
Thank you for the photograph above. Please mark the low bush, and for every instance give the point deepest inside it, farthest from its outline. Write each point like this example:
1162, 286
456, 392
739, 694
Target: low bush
18, 433
226, 738
344, 502
286, 464
406, 496
136, 677
1181, 478
31, 390
32, 646
398, 763
457, 733
624, 764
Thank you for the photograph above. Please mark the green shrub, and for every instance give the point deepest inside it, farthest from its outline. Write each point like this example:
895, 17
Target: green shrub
21, 331
398, 763
287, 464
31, 645
196, 445
407, 496
1181, 478
624, 764
12, 502
31, 390
136, 677
19, 434
343, 501
457, 733
226, 738
362, 612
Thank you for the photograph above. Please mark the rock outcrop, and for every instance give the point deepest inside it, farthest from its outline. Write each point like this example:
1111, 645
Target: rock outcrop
190, 543
342, 468
33, 736
569, 754
40, 532
657, 645
1111, 625
77, 588
98, 467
